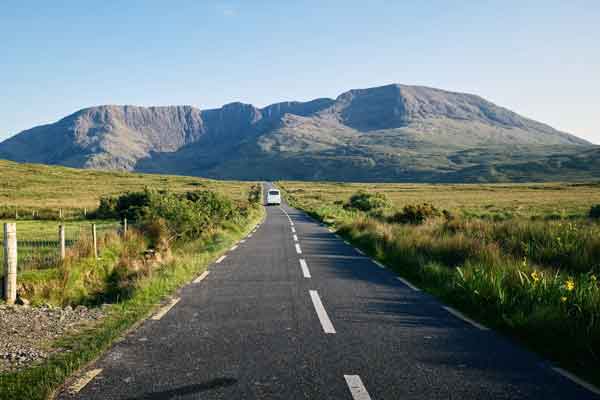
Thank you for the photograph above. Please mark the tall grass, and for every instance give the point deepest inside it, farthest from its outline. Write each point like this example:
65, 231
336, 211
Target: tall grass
535, 279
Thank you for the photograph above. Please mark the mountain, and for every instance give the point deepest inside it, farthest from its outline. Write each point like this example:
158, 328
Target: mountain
388, 133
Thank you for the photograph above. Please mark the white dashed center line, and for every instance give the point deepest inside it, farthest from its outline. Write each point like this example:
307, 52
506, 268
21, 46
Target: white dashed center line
295, 238
298, 249
321, 313
304, 267
358, 390
293, 230
460, 315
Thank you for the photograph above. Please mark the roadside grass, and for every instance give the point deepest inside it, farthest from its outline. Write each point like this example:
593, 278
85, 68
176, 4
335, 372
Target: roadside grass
189, 259
536, 280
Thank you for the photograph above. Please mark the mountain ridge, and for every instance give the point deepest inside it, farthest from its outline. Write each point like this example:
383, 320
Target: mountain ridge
397, 127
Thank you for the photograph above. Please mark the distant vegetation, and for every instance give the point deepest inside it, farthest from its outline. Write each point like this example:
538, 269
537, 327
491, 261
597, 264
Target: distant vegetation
522, 258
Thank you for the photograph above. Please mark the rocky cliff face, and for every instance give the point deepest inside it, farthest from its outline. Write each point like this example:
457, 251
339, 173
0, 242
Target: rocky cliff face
389, 120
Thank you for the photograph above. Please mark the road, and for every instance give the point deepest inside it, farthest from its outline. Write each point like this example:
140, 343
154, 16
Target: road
293, 312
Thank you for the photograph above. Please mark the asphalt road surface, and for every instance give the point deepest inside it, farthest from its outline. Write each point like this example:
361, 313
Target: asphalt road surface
293, 312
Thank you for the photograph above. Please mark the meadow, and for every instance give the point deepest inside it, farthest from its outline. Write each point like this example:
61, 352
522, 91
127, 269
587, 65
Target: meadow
522, 258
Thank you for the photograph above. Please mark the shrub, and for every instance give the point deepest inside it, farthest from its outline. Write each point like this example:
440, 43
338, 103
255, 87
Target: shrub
415, 214
365, 201
595, 211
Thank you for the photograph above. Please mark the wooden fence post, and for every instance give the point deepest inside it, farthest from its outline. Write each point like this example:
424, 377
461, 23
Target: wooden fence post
94, 241
10, 262
61, 241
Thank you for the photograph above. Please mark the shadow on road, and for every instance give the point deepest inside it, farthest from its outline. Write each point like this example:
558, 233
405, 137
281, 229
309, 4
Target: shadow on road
187, 390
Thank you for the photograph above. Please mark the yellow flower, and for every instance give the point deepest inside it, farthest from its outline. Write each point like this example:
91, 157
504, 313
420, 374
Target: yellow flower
563, 299
535, 275
570, 284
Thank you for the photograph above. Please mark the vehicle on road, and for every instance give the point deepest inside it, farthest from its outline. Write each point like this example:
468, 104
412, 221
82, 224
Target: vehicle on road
273, 197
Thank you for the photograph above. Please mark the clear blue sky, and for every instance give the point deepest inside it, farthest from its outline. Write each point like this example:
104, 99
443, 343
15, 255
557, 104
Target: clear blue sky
539, 58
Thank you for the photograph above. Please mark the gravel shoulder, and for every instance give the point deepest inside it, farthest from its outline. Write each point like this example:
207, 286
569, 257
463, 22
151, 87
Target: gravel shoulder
28, 334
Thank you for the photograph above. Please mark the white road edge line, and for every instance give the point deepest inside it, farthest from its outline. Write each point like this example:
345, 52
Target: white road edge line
243, 241
298, 249
380, 265
163, 311
295, 238
407, 283
220, 259
233, 248
249, 236
357, 389
84, 380
346, 242
304, 267
359, 251
577, 380
321, 313
460, 315
201, 277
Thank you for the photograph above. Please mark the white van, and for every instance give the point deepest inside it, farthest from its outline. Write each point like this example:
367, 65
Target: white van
273, 197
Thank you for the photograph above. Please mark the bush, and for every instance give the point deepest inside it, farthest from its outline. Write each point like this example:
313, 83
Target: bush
365, 201
595, 212
415, 214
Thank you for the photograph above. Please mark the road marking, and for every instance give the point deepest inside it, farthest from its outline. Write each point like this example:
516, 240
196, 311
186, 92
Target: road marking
243, 241
577, 380
338, 256
298, 249
220, 259
163, 311
84, 380
249, 236
330, 230
293, 230
460, 315
321, 313
233, 248
345, 242
201, 277
380, 265
295, 238
407, 283
358, 390
359, 251
304, 267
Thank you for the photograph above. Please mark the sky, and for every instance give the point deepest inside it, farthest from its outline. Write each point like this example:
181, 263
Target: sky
538, 58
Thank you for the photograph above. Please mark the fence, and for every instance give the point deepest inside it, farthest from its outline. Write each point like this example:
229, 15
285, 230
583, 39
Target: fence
39, 243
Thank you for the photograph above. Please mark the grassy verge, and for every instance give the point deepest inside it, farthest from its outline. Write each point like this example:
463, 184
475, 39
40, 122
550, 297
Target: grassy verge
536, 281
188, 260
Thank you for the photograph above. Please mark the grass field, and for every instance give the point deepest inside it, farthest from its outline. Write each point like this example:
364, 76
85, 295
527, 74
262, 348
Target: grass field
27, 187
524, 259
487, 200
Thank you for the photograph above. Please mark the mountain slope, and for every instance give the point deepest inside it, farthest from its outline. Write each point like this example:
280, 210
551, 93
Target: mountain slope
393, 132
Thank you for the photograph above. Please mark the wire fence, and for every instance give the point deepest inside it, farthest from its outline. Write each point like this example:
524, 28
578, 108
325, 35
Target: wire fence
39, 245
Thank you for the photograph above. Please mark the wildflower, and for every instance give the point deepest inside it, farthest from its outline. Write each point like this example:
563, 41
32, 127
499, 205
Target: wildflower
593, 278
570, 284
563, 299
535, 275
